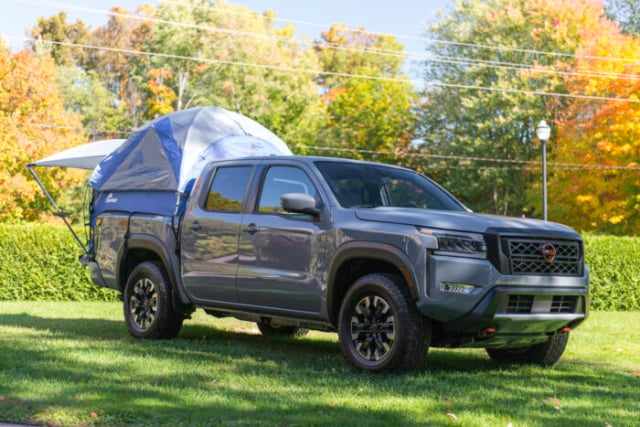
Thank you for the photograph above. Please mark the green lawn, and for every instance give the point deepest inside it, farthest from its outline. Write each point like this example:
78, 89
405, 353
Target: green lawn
75, 364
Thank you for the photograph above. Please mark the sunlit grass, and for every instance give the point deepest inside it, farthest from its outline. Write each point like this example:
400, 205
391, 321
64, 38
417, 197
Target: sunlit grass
75, 364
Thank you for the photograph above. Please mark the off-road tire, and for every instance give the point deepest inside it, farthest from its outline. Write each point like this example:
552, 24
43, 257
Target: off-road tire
543, 354
393, 336
281, 331
148, 308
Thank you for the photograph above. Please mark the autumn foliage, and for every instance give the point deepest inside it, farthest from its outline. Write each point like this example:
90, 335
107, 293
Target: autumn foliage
602, 136
500, 67
33, 124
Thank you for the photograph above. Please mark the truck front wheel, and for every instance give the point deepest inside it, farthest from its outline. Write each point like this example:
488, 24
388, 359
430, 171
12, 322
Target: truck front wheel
148, 309
380, 328
543, 354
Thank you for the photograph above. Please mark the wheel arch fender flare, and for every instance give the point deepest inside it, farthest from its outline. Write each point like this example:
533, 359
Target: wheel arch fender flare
386, 253
158, 248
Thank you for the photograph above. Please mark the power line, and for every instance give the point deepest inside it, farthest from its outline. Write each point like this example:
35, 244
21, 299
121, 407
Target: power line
561, 165
426, 39
329, 73
382, 52
511, 162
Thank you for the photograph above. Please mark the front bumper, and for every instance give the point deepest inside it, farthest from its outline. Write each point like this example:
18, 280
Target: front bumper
501, 310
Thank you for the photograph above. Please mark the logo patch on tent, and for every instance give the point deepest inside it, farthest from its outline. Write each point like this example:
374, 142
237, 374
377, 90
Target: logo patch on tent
111, 199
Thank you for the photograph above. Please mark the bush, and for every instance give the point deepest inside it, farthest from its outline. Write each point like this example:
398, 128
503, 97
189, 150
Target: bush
615, 272
40, 262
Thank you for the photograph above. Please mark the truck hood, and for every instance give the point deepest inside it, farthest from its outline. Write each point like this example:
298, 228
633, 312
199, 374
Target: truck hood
461, 221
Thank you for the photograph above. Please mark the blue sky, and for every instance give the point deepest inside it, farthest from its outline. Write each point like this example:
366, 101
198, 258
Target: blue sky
404, 18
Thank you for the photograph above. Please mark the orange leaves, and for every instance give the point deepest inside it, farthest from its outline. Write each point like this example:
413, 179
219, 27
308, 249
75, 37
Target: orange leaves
162, 95
33, 124
602, 133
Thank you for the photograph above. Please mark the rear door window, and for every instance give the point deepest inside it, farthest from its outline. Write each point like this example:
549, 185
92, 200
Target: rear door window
228, 189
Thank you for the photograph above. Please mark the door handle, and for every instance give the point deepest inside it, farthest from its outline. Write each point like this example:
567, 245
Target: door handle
252, 229
196, 226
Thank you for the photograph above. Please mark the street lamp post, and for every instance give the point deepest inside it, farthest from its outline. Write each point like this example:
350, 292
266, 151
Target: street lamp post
543, 132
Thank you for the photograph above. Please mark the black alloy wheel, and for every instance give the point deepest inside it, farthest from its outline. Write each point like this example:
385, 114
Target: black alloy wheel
148, 305
380, 327
143, 303
373, 327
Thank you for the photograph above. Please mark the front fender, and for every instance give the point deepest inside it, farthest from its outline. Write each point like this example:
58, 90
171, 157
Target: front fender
370, 251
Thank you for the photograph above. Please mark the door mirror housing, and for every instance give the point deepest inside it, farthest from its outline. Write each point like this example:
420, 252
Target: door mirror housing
299, 203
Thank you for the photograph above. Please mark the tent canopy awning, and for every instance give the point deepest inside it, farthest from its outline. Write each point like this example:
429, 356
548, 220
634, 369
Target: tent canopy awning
86, 156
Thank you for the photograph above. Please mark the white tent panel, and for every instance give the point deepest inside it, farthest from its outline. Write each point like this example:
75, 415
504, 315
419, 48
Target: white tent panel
86, 156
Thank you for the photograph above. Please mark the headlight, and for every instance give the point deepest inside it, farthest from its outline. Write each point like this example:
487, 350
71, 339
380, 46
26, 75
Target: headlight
471, 245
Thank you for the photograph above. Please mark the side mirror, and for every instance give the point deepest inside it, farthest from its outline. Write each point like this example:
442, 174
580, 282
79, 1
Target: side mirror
299, 203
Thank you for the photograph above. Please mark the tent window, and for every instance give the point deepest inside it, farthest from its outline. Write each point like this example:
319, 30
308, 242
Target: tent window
228, 189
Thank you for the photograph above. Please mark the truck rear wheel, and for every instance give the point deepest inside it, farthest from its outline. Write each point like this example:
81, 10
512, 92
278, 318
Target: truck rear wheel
379, 326
148, 308
543, 354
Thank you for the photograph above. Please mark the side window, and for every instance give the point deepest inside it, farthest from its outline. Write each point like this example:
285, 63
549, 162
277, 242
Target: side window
228, 188
281, 180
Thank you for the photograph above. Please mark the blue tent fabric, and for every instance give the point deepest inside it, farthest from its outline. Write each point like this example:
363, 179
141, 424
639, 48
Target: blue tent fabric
162, 158
159, 155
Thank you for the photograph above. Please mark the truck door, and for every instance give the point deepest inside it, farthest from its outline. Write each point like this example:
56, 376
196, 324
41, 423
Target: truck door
278, 251
210, 236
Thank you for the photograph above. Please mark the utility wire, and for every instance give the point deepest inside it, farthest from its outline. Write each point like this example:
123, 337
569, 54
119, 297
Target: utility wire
328, 73
376, 51
475, 159
511, 162
415, 38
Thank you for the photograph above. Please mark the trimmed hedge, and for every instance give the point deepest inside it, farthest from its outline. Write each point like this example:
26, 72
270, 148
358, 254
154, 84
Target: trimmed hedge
615, 272
40, 262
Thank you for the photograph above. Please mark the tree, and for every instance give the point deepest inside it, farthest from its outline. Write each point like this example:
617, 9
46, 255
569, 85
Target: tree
602, 135
230, 56
343, 50
33, 124
103, 116
60, 36
479, 100
122, 71
370, 101
161, 94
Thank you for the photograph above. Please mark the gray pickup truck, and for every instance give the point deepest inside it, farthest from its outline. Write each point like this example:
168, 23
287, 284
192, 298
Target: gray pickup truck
380, 254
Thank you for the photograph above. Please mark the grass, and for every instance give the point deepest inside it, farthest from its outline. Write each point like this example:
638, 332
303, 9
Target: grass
70, 363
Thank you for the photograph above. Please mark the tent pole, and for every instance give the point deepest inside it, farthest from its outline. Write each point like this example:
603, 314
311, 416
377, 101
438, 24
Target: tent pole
60, 213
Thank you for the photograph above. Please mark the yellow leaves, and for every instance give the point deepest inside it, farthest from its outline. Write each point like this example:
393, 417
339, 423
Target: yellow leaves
616, 219
584, 198
162, 95
33, 124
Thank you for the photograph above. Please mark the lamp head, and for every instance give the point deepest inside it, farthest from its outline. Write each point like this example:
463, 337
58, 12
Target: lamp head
543, 131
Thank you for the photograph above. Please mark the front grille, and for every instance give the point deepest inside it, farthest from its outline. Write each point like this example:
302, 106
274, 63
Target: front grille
563, 304
520, 304
526, 256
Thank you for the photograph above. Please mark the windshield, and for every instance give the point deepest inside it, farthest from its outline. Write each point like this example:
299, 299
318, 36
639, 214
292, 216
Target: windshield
372, 185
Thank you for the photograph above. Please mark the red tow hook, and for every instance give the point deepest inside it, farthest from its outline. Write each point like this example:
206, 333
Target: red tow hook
487, 331
564, 330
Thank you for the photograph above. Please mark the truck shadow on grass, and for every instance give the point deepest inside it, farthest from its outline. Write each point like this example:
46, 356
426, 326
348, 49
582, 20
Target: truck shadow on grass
210, 376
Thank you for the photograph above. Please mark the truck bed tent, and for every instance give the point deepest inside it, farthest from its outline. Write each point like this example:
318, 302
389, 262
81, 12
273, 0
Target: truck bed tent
160, 160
